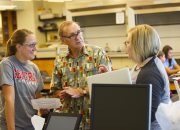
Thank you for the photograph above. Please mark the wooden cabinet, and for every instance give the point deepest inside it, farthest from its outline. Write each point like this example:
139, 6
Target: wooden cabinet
45, 65
9, 24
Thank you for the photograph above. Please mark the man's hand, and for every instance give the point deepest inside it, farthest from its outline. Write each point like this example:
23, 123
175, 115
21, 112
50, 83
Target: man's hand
73, 92
103, 69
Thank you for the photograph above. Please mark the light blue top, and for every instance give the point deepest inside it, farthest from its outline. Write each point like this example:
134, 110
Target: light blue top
173, 63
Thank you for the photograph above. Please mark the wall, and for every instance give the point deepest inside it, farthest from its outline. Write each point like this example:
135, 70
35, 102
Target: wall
92, 3
57, 7
40, 36
1, 36
25, 17
0, 21
28, 18
116, 35
113, 35
170, 34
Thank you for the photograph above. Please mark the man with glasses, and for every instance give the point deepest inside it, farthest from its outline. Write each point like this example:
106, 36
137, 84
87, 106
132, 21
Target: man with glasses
70, 71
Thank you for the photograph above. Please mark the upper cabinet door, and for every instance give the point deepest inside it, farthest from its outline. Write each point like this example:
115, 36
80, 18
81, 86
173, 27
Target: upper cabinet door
9, 24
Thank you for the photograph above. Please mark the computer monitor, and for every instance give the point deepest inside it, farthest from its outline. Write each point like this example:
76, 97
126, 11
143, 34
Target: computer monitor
63, 121
121, 107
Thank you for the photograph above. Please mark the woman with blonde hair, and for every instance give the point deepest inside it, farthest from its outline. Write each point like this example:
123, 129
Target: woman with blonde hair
143, 44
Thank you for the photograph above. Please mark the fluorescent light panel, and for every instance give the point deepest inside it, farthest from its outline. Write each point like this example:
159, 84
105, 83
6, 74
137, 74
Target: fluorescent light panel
57, 0
45, 0
22, 0
7, 7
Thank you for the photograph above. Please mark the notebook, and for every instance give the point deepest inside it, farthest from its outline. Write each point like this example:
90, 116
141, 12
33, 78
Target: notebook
63, 121
121, 76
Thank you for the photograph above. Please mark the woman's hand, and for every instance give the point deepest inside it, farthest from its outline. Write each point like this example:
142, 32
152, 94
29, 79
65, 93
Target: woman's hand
61, 94
44, 111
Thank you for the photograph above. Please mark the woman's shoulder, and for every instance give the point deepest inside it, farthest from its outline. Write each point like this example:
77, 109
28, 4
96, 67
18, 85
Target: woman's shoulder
7, 60
173, 61
33, 65
152, 69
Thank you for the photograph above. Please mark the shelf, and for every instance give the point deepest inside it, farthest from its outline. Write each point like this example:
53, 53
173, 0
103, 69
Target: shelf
117, 54
51, 24
52, 19
47, 30
176, 55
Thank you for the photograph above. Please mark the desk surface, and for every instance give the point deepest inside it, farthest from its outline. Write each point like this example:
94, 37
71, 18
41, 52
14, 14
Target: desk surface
172, 86
47, 86
172, 78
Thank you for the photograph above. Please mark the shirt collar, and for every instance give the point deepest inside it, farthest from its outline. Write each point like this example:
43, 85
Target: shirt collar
139, 66
85, 51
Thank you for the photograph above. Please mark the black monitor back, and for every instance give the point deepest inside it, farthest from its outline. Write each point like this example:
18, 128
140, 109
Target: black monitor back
63, 121
121, 107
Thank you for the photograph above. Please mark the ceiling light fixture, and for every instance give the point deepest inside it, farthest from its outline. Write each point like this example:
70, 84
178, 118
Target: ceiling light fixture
57, 0
44, 0
7, 7
23, 0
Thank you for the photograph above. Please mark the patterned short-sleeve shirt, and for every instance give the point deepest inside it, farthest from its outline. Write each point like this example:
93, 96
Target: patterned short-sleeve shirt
73, 72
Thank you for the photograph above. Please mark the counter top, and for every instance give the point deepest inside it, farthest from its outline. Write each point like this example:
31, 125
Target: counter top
114, 54
176, 55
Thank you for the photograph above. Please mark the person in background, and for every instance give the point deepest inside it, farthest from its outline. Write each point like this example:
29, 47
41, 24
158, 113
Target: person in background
143, 44
161, 56
71, 71
20, 81
170, 64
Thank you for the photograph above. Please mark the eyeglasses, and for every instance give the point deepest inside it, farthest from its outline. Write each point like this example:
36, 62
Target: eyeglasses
73, 35
32, 45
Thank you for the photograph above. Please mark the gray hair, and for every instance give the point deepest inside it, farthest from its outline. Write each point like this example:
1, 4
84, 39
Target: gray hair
63, 25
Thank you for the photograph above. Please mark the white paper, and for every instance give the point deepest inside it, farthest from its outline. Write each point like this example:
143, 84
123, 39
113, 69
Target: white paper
37, 122
177, 87
120, 18
168, 116
121, 76
46, 103
62, 50
176, 78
